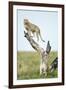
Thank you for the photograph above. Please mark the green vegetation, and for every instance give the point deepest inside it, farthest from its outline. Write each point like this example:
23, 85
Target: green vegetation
28, 65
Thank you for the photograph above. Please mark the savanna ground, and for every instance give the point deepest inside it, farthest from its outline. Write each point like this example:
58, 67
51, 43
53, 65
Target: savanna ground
28, 65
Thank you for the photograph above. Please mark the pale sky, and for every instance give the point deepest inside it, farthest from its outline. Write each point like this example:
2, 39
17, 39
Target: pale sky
47, 22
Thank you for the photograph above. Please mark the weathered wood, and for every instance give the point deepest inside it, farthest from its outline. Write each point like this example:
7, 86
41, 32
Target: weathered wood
44, 54
54, 65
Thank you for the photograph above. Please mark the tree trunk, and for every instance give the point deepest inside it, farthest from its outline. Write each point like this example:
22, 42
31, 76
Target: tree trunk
44, 54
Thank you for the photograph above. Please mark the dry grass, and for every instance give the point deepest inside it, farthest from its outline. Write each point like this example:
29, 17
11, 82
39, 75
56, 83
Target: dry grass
28, 65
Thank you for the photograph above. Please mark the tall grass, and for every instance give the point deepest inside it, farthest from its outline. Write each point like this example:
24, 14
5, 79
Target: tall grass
28, 65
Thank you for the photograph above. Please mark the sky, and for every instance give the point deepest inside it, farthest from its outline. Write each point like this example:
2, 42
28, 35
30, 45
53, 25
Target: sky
47, 21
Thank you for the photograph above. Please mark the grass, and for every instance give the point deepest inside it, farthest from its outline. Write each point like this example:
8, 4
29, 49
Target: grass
28, 65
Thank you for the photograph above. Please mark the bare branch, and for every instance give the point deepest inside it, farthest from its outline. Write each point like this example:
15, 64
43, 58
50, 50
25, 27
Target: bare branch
32, 42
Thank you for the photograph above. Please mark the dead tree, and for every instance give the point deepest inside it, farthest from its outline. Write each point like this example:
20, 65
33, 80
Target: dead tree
54, 65
44, 54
